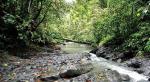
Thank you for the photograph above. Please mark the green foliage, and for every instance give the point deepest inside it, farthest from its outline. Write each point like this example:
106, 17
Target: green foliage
139, 40
78, 22
24, 21
122, 24
147, 47
9, 19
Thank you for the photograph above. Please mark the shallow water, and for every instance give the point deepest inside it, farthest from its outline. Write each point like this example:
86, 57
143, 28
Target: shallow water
134, 76
72, 48
50, 64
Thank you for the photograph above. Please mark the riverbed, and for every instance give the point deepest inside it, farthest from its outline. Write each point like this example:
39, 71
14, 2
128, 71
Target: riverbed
50, 66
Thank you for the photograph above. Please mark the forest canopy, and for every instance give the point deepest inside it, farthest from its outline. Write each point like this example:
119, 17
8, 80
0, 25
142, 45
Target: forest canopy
122, 24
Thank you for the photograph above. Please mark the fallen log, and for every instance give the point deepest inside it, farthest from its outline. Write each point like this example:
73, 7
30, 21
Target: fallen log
75, 41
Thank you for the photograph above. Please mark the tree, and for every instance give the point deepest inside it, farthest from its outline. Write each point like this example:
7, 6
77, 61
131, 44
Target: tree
21, 19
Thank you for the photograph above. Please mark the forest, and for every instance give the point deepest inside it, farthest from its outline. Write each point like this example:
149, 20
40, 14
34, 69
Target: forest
31, 25
119, 23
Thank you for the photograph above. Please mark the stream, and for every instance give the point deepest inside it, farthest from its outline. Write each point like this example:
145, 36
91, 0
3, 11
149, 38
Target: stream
73, 63
71, 48
101, 62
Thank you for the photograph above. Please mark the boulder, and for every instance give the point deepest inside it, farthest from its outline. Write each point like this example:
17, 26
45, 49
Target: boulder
113, 76
81, 69
135, 64
125, 77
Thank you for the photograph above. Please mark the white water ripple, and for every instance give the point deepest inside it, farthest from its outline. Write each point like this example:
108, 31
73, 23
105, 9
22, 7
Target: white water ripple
135, 77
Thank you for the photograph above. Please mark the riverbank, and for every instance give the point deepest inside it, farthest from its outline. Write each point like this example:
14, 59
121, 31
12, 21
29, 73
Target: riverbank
135, 61
68, 63
55, 67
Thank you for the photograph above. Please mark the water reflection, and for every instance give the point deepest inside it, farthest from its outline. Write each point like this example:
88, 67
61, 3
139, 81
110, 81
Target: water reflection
71, 47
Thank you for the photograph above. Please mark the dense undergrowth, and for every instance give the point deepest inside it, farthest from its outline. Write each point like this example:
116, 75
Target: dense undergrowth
24, 22
124, 25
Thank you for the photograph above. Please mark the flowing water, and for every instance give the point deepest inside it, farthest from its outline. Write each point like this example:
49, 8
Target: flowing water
72, 48
74, 56
135, 77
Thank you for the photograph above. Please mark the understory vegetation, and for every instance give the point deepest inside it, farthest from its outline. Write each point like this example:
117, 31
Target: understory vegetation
121, 24
124, 24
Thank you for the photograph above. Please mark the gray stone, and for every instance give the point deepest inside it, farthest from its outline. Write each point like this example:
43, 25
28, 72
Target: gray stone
125, 77
113, 76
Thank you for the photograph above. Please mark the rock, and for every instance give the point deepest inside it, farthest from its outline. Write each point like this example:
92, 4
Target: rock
104, 52
94, 51
119, 60
107, 53
101, 52
82, 69
135, 64
22, 81
83, 61
139, 71
148, 79
49, 79
125, 77
126, 55
70, 74
33, 67
113, 76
